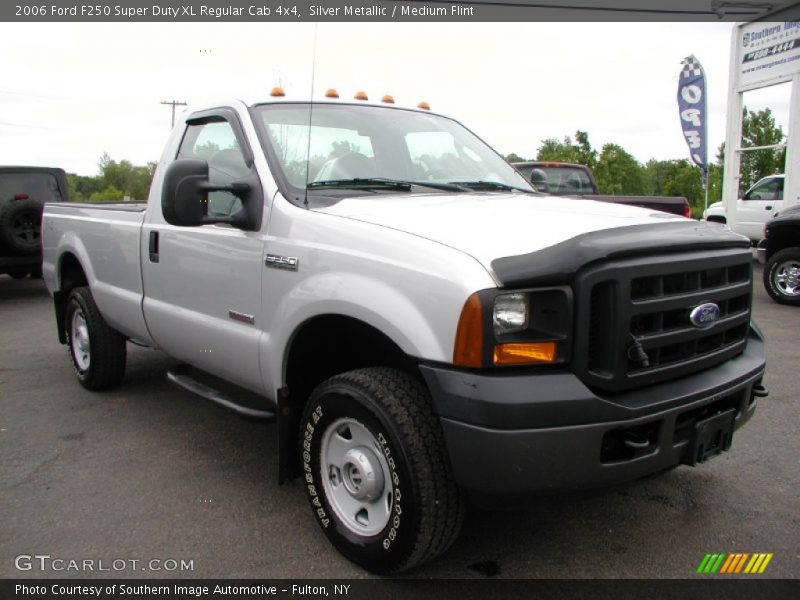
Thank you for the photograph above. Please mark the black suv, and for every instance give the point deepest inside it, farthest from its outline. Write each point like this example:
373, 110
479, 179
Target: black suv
23, 192
779, 252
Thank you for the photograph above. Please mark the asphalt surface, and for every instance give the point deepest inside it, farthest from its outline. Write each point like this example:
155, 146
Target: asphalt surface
149, 471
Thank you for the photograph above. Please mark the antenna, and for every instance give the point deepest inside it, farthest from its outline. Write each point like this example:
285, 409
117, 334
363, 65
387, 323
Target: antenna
310, 112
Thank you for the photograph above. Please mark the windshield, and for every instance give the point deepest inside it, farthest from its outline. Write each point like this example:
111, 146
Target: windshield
561, 180
375, 145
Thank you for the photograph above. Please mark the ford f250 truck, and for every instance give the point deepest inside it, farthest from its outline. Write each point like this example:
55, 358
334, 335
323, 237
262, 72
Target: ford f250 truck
419, 321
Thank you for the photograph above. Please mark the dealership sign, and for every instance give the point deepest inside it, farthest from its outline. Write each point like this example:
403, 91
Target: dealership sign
767, 51
692, 108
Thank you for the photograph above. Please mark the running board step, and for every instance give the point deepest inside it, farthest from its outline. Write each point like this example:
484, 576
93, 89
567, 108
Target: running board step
180, 377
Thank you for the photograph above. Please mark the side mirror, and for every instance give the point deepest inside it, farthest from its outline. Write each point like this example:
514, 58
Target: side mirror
741, 195
184, 194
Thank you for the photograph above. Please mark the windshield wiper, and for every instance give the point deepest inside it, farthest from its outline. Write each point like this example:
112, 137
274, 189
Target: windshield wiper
490, 185
380, 182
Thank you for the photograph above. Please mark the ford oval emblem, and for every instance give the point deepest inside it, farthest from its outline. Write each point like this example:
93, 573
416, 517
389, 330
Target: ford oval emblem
705, 315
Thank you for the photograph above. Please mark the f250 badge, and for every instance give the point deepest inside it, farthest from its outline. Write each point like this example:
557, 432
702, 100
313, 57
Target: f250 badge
290, 263
705, 315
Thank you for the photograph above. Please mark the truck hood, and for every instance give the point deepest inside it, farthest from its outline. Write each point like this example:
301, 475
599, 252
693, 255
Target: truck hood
488, 226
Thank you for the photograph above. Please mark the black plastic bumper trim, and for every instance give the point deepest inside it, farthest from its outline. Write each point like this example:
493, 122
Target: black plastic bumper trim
522, 400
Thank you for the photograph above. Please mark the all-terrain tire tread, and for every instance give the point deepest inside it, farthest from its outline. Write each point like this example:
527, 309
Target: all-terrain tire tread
441, 503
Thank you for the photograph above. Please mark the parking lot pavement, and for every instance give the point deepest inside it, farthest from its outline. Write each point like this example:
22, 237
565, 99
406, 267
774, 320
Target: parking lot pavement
149, 471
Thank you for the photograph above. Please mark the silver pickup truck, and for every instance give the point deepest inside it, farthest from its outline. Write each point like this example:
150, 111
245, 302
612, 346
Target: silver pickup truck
419, 321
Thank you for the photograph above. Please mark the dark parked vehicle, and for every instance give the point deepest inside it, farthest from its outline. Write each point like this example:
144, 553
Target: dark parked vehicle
23, 192
779, 252
567, 179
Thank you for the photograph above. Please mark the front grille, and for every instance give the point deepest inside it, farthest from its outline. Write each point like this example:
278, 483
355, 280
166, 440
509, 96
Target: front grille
633, 326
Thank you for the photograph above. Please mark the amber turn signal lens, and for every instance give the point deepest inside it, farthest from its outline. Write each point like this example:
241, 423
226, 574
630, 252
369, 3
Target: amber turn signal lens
518, 354
468, 351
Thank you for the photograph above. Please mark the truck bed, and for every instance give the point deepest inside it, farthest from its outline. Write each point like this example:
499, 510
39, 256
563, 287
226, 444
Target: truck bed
676, 205
106, 240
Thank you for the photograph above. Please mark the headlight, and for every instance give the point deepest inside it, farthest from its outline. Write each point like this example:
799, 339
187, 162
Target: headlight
510, 313
526, 327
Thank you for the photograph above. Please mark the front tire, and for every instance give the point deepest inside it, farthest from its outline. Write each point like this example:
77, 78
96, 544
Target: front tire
376, 470
97, 351
782, 276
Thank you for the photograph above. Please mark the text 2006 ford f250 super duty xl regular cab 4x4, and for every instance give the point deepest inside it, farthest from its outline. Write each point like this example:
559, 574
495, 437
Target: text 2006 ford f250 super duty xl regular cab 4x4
421, 322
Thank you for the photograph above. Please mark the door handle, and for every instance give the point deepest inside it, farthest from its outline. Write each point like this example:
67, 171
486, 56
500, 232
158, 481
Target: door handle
153, 246
768, 207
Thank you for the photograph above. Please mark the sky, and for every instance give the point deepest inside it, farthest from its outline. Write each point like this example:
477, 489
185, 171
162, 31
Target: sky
72, 91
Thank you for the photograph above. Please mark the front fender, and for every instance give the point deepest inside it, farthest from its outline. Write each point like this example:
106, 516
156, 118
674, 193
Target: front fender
425, 333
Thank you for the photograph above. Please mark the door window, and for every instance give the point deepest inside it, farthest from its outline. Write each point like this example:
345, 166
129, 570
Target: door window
216, 143
771, 189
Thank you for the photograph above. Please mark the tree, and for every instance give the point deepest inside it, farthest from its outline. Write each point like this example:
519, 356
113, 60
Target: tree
759, 129
617, 172
114, 181
513, 157
131, 180
580, 152
677, 178
109, 194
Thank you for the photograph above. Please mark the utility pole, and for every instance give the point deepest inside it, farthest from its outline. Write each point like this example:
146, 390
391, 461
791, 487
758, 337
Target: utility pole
173, 103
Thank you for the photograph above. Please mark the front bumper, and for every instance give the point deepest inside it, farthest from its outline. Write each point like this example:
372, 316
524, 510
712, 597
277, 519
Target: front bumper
511, 434
761, 251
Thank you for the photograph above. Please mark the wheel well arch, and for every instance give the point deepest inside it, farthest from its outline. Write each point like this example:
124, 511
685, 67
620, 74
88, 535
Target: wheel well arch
782, 239
326, 345
69, 275
319, 348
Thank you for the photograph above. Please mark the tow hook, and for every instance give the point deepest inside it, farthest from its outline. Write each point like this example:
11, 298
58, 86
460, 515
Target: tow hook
636, 441
760, 390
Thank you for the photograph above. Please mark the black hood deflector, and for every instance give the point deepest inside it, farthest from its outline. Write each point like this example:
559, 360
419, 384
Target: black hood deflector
557, 264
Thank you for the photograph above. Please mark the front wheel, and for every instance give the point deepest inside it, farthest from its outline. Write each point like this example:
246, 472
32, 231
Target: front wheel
97, 351
376, 470
782, 276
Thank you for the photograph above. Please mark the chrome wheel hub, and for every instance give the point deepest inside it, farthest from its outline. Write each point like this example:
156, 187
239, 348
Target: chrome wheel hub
79, 334
355, 476
787, 278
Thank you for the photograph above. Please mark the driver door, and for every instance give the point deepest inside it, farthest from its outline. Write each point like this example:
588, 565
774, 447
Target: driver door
203, 284
757, 206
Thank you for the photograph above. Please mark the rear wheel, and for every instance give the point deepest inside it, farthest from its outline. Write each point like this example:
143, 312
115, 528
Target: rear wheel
97, 351
376, 470
20, 226
782, 276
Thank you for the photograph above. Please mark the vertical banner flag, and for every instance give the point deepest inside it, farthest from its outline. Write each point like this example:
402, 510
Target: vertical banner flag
692, 107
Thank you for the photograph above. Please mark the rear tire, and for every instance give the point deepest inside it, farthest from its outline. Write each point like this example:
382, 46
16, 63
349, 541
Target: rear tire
782, 276
97, 351
376, 470
20, 226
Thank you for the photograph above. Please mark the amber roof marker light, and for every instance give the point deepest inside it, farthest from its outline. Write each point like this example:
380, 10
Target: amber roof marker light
277, 92
331, 93
388, 99
424, 105
361, 96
